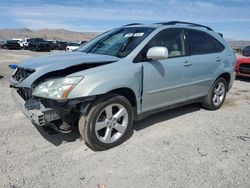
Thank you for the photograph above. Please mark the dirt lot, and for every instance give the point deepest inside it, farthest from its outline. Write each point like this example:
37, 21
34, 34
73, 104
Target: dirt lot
185, 147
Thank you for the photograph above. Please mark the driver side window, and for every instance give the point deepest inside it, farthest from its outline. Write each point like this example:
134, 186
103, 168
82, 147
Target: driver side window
172, 39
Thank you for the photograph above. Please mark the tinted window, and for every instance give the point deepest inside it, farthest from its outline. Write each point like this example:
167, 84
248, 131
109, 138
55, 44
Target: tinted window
202, 43
171, 39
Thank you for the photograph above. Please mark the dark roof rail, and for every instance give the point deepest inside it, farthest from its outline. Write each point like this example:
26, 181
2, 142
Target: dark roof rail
132, 24
186, 23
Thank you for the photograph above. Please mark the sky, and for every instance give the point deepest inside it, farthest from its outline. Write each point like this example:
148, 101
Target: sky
230, 17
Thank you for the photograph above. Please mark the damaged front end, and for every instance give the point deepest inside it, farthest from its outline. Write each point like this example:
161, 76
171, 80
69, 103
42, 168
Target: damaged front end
40, 87
45, 102
59, 115
33, 108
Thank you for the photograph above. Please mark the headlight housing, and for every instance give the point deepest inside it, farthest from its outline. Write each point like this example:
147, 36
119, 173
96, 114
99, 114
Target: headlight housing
58, 88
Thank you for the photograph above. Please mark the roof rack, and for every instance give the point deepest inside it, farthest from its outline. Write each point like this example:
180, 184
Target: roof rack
187, 23
132, 24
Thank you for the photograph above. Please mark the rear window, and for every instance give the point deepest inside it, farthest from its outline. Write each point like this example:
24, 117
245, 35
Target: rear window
202, 43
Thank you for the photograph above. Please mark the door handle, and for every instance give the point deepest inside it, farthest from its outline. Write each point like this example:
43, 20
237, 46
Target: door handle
218, 59
187, 64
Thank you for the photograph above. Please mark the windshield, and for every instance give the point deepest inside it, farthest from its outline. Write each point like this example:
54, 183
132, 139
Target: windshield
118, 42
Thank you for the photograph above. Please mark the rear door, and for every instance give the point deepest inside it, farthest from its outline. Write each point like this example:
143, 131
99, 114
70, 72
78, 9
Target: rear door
205, 58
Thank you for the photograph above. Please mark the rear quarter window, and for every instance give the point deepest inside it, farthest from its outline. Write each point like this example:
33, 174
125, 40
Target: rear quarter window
202, 43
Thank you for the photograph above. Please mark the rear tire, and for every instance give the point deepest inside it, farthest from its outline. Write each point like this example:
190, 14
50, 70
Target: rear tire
108, 122
216, 95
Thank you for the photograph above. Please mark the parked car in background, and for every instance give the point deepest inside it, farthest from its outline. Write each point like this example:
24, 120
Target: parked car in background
2, 43
19, 41
124, 75
242, 67
11, 45
25, 43
246, 51
62, 45
39, 44
53, 44
72, 46
83, 42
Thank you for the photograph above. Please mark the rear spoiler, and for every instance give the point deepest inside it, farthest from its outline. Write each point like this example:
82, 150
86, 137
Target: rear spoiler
221, 34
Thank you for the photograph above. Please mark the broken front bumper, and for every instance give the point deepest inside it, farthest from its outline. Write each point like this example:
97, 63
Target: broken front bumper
40, 115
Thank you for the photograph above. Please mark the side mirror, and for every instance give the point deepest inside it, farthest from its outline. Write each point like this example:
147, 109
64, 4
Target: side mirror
157, 53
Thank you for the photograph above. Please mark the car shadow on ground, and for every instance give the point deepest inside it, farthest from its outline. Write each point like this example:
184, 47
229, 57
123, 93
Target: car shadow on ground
58, 138
244, 79
165, 116
1, 76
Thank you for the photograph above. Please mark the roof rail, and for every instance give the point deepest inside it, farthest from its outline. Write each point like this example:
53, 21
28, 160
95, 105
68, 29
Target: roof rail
132, 24
187, 23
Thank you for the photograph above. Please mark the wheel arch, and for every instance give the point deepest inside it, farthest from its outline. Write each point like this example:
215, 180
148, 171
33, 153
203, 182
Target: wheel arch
128, 94
227, 77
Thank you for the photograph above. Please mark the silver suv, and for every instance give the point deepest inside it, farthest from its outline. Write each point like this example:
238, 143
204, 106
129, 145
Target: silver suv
123, 75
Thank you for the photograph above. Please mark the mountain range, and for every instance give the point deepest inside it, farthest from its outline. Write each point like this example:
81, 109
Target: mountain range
67, 35
49, 34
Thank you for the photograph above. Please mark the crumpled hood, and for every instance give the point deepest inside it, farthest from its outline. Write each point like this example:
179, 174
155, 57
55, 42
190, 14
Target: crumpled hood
63, 60
60, 64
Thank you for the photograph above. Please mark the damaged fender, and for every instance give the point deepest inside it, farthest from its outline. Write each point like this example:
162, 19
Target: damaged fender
107, 78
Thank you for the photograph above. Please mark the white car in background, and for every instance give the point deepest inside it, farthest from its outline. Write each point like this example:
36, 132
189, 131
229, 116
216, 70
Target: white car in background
25, 43
72, 46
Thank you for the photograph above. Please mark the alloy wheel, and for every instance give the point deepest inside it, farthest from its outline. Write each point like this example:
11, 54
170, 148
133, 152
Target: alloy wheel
111, 123
219, 93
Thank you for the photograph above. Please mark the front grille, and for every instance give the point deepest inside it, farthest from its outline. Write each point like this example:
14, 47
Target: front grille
245, 68
25, 93
22, 73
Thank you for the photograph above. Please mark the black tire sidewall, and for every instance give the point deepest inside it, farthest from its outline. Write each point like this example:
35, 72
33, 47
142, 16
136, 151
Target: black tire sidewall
97, 108
211, 94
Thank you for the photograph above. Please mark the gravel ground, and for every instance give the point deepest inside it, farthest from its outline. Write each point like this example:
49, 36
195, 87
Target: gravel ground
185, 147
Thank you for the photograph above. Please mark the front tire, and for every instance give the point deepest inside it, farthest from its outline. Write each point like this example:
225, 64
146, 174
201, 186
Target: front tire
108, 123
216, 95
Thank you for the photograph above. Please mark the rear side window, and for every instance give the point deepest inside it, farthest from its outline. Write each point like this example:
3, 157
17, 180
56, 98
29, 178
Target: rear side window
202, 43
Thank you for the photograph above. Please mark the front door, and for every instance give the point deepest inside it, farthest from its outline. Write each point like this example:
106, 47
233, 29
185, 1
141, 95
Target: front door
165, 82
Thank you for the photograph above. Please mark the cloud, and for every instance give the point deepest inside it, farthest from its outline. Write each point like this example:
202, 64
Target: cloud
134, 10
100, 15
